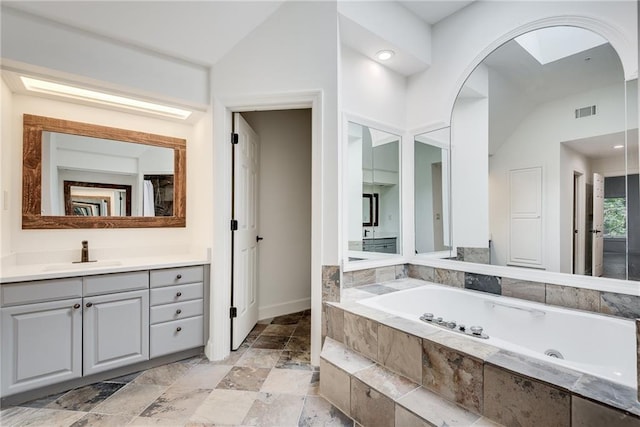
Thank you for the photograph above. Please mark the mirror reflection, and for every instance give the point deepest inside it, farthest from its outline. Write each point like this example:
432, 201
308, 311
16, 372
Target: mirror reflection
545, 160
431, 175
373, 192
86, 176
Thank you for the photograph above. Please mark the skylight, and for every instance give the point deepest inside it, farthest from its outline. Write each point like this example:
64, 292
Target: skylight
551, 44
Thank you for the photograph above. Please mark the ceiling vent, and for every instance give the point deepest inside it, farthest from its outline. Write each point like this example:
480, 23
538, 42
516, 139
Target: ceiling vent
585, 111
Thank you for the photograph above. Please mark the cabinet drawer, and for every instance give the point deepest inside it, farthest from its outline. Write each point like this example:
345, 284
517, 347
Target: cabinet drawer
179, 310
118, 282
178, 335
176, 276
178, 293
39, 291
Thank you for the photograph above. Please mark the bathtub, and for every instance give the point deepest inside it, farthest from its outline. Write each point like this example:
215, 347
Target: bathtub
599, 345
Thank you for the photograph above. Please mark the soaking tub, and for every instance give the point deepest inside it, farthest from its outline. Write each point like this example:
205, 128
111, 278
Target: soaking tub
595, 344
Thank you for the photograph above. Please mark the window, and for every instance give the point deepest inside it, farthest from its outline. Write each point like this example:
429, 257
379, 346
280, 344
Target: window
615, 217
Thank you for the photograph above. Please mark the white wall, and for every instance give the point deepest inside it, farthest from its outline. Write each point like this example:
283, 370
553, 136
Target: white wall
292, 56
8, 173
42, 43
59, 240
470, 164
370, 90
536, 142
284, 258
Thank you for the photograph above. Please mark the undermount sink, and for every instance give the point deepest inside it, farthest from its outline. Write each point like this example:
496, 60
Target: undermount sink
81, 265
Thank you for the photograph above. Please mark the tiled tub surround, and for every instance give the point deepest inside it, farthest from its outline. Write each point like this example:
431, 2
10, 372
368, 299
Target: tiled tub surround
447, 368
608, 351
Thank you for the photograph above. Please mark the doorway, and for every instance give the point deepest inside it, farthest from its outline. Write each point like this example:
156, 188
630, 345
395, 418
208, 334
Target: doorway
274, 279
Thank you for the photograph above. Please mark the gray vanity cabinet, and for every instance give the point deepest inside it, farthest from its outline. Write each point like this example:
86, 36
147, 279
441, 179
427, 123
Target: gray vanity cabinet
41, 341
177, 308
116, 330
116, 320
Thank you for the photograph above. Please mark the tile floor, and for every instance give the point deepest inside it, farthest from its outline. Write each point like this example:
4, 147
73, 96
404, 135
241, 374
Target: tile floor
268, 381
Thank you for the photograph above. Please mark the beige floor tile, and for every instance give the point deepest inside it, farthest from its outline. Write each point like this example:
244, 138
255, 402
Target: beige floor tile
225, 407
176, 403
275, 410
260, 358
203, 377
16, 415
102, 420
164, 422
287, 381
52, 417
163, 375
132, 399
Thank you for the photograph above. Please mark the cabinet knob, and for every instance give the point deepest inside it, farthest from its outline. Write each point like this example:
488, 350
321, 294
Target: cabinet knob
179, 294
179, 276
178, 311
179, 328
76, 306
89, 304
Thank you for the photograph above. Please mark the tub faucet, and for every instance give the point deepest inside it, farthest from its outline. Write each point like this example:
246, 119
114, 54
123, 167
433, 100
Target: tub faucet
85, 251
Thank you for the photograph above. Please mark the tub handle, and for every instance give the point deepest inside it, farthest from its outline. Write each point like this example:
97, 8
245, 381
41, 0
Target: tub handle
533, 311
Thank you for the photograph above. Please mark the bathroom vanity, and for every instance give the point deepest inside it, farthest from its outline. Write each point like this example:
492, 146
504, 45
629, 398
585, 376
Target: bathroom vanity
68, 326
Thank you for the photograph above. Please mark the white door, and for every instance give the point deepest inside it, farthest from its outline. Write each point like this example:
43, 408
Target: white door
598, 225
115, 330
525, 222
245, 238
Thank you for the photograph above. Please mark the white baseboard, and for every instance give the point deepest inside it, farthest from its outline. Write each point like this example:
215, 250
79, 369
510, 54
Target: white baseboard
289, 307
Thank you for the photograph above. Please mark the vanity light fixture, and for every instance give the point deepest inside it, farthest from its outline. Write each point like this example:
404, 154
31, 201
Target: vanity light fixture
385, 55
51, 88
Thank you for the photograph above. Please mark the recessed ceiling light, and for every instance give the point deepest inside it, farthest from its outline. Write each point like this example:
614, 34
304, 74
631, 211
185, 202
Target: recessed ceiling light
617, 147
51, 88
385, 55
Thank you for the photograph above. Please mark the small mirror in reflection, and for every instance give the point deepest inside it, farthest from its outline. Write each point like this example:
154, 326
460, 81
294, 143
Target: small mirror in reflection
432, 192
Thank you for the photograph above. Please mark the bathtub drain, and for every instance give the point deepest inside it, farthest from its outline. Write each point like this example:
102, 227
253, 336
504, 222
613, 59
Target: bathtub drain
554, 353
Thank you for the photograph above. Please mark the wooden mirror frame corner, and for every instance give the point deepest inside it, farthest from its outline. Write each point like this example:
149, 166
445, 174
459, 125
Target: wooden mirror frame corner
33, 126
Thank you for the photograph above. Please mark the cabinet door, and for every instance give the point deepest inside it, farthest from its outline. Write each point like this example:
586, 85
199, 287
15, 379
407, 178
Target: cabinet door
116, 330
41, 344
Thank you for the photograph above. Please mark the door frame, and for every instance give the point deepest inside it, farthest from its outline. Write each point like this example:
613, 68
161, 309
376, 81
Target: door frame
578, 223
217, 346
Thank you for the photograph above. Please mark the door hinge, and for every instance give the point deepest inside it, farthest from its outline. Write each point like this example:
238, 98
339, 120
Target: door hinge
233, 312
234, 225
234, 138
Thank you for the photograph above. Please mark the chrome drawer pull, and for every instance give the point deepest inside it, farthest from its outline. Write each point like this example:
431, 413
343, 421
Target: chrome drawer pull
76, 306
179, 276
178, 329
89, 304
178, 311
179, 294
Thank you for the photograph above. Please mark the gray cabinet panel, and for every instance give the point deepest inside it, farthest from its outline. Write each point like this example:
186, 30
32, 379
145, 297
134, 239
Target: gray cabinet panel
118, 282
178, 293
176, 276
116, 330
41, 291
178, 335
179, 310
41, 344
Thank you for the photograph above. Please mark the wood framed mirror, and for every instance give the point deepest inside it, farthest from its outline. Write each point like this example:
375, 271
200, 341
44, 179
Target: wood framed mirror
58, 152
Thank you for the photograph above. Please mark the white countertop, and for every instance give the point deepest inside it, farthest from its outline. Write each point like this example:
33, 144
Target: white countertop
27, 272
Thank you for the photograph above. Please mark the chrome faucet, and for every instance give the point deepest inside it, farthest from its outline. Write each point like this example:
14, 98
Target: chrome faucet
85, 251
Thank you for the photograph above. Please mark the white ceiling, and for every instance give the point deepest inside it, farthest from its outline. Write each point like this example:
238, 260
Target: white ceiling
601, 146
197, 31
201, 32
432, 12
519, 84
